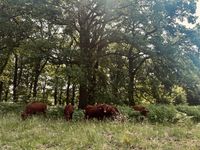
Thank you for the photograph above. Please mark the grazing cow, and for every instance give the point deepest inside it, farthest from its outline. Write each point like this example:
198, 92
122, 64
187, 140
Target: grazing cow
68, 111
109, 111
116, 110
143, 110
34, 108
93, 111
100, 111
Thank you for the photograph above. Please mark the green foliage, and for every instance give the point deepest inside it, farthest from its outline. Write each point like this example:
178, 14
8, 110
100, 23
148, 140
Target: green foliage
192, 111
6, 108
193, 96
55, 112
162, 113
78, 115
118, 50
129, 113
178, 95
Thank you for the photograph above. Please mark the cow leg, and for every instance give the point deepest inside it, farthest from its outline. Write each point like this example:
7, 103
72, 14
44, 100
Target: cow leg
71, 116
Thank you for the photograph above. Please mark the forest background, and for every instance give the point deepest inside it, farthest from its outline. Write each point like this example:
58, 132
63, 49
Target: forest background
122, 52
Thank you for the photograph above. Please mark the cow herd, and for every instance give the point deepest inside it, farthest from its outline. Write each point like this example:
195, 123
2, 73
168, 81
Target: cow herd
97, 111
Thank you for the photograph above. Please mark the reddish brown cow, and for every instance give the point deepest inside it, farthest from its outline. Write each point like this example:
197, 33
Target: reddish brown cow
143, 110
109, 111
34, 108
112, 111
93, 111
116, 110
100, 111
68, 112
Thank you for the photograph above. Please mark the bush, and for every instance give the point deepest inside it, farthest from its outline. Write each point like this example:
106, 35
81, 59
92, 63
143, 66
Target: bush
78, 115
129, 113
55, 112
193, 111
162, 113
11, 108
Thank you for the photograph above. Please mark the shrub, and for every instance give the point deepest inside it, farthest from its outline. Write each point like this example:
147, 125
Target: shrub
193, 111
78, 115
11, 108
162, 113
55, 112
129, 113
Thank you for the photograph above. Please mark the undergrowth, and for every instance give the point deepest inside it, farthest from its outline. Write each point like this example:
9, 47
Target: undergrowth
53, 132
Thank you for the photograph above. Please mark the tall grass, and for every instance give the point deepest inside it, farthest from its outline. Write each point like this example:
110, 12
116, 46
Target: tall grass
53, 133
41, 133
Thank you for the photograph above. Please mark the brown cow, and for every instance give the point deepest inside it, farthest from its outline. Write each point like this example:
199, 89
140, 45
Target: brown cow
109, 111
34, 108
94, 111
116, 110
68, 111
143, 110
100, 111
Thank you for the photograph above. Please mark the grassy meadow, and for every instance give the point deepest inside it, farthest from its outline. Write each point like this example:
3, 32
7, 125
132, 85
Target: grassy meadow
54, 133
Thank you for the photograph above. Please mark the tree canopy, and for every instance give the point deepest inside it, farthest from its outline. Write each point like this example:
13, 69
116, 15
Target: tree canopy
87, 51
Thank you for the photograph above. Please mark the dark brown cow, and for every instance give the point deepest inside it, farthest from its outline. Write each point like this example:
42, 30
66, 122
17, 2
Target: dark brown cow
143, 110
68, 112
34, 108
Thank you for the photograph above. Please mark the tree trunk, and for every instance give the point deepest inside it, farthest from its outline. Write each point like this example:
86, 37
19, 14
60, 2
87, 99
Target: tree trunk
1, 90
20, 73
93, 83
84, 43
60, 96
68, 90
38, 69
131, 81
91, 42
73, 93
91, 89
30, 90
56, 91
115, 78
82, 96
6, 94
35, 86
155, 91
7, 91
3, 66
15, 97
44, 90
36, 78
5, 58
56, 87
133, 69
